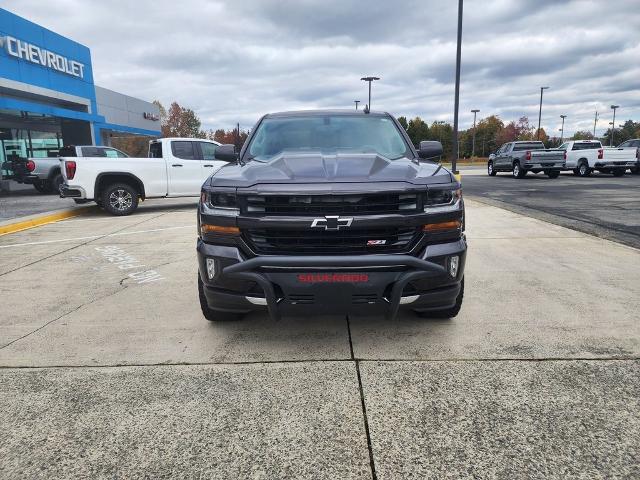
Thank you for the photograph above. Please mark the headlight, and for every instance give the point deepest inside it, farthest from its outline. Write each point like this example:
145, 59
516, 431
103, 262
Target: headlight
216, 203
443, 200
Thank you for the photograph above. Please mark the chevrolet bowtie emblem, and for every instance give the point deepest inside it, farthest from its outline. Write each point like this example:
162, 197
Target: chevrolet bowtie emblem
332, 222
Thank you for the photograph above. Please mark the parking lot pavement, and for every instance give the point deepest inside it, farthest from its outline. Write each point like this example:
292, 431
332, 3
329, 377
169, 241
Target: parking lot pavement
600, 205
140, 373
28, 202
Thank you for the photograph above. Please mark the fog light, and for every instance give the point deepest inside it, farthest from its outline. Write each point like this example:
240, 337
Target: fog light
454, 262
211, 268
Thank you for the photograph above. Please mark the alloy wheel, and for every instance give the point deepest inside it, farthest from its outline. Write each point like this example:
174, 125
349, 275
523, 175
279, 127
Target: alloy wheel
120, 200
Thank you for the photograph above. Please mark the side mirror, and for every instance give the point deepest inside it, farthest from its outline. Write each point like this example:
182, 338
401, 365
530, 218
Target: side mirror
429, 149
226, 153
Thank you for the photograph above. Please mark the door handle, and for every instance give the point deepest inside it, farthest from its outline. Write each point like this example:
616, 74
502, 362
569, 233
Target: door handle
176, 165
208, 165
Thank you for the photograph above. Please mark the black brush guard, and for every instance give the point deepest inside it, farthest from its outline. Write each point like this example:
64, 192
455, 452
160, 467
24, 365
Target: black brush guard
254, 269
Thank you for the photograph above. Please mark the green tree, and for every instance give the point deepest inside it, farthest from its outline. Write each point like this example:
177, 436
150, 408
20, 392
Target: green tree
487, 131
403, 121
442, 132
418, 130
582, 135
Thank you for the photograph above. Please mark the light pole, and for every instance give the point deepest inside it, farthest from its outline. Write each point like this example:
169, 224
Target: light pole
369, 79
613, 124
356, 102
456, 103
473, 144
595, 122
562, 129
542, 89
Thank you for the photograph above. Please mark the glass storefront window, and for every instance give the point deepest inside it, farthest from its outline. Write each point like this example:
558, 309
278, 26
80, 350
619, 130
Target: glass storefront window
24, 135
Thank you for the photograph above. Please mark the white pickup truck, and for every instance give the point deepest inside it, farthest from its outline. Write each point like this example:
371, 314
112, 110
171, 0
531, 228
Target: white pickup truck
585, 156
175, 167
632, 144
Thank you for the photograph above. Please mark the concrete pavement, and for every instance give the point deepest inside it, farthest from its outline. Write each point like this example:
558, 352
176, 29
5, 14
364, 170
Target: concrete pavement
537, 376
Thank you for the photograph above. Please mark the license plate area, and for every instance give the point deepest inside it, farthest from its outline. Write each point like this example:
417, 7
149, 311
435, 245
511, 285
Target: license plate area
331, 292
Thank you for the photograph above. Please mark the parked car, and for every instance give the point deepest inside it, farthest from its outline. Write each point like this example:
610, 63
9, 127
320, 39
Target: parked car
44, 172
631, 144
585, 156
175, 167
526, 156
331, 212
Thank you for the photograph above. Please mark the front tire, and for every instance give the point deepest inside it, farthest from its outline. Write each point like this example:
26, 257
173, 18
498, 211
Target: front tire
552, 173
618, 172
446, 312
518, 171
120, 199
490, 171
210, 314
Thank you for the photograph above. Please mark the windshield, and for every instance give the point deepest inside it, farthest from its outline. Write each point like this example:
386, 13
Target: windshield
328, 134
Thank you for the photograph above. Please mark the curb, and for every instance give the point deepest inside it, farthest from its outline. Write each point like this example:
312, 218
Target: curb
43, 220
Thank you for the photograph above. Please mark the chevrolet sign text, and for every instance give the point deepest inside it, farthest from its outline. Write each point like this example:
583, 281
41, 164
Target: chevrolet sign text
31, 53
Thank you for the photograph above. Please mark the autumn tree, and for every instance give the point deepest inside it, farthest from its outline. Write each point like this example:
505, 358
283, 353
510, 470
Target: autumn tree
487, 130
134, 145
181, 122
540, 135
229, 136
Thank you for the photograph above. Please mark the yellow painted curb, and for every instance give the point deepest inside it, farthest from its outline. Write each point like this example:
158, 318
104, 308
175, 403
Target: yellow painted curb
36, 222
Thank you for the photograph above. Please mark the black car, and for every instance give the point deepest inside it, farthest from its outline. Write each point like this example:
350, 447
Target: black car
330, 212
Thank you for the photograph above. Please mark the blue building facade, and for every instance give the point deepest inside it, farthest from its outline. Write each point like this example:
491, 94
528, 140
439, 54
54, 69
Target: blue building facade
48, 97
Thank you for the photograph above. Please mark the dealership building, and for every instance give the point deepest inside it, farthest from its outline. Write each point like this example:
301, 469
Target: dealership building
48, 98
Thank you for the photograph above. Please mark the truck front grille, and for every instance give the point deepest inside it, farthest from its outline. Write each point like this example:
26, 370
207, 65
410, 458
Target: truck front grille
362, 204
318, 242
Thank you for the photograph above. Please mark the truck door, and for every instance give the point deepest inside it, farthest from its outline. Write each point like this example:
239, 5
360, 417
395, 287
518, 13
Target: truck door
185, 170
209, 163
503, 157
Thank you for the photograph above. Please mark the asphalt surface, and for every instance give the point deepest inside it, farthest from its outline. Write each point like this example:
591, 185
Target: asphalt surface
108, 370
600, 205
16, 204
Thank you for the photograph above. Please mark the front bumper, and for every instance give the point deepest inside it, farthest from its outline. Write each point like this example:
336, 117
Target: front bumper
311, 285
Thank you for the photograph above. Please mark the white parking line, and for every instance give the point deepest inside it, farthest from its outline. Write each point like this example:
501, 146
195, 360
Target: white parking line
95, 236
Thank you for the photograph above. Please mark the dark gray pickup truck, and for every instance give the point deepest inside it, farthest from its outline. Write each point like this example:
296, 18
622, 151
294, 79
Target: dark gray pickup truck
330, 212
526, 156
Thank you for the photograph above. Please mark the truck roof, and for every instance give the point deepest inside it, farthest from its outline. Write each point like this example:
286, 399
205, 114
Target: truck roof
307, 113
184, 139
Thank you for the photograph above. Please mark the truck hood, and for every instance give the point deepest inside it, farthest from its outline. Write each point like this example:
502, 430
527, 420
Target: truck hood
316, 168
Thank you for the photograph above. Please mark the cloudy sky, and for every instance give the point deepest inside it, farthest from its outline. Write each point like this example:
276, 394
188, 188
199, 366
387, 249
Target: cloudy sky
235, 60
